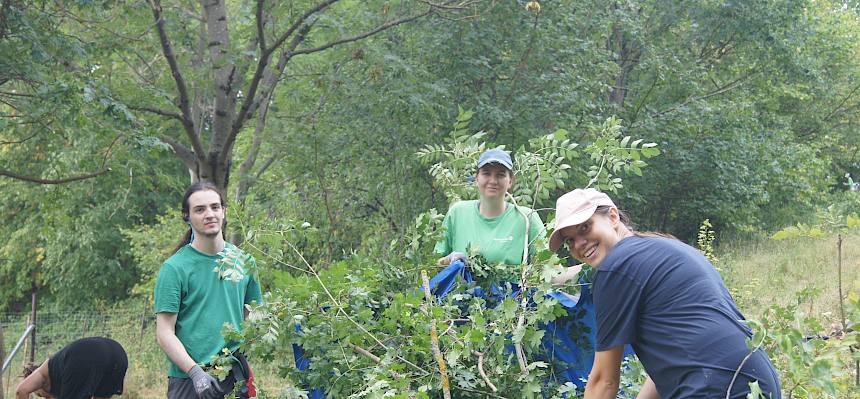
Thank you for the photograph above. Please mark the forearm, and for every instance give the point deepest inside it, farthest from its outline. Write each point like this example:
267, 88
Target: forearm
174, 349
597, 388
37, 380
648, 390
605, 375
567, 274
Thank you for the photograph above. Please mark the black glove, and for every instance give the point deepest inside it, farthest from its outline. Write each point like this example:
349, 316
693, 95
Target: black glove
205, 385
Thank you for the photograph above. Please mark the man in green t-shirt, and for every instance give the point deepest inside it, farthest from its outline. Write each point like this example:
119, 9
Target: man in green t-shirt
205, 284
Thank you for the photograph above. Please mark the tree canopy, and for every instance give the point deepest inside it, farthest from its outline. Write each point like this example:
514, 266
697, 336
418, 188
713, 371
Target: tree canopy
108, 108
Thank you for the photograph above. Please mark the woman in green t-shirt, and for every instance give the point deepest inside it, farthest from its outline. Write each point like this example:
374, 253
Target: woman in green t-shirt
490, 225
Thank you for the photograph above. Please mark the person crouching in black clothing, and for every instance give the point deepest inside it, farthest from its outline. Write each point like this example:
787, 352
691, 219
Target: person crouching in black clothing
88, 368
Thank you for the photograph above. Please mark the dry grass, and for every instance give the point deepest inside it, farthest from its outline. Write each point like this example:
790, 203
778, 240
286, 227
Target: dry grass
762, 272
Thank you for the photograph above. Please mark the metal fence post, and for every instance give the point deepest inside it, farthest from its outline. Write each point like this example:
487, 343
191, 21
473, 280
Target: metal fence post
2, 358
142, 320
33, 322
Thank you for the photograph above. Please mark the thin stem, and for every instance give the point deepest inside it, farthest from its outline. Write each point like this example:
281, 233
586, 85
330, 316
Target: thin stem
734, 377
839, 274
518, 346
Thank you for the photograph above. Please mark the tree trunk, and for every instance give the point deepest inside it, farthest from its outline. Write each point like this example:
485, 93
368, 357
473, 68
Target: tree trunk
226, 116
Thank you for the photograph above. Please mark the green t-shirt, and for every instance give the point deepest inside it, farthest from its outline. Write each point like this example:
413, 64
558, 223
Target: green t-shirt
499, 239
189, 285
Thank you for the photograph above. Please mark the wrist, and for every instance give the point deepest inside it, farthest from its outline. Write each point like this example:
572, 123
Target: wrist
194, 370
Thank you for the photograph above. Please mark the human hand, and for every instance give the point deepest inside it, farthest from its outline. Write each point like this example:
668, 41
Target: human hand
205, 385
453, 257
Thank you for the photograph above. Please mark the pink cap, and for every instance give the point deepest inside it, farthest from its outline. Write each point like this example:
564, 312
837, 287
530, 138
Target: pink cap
575, 208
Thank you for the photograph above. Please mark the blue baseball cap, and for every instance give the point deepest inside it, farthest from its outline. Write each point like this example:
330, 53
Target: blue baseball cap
496, 156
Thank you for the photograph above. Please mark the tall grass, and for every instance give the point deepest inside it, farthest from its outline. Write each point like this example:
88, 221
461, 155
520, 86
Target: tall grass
762, 272
814, 361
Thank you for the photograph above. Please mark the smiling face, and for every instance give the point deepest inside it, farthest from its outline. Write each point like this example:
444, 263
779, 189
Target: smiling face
493, 181
205, 213
592, 240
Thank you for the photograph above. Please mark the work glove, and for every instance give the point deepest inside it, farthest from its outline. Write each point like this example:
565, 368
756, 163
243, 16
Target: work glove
205, 385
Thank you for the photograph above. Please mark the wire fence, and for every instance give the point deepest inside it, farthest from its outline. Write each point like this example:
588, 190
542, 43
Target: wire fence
56, 329
131, 326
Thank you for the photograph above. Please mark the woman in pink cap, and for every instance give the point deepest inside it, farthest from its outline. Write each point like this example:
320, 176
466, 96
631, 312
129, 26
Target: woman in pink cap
665, 299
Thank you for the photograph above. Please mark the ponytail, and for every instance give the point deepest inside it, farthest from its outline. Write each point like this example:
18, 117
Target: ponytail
625, 219
186, 239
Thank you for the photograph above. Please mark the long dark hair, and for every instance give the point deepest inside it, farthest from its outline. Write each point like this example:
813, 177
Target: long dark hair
625, 219
186, 209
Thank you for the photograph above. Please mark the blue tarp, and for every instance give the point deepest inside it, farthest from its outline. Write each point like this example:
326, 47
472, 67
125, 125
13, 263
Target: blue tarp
569, 341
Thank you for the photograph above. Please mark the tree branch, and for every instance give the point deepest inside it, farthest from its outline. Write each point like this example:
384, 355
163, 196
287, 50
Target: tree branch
642, 102
269, 81
261, 37
157, 111
30, 179
371, 32
841, 103
4, 9
187, 156
266, 165
464, 5
251, 101
251, 158
728, 87
18, 141
11, 94
523, 62
296, 25
167, 49
434, 338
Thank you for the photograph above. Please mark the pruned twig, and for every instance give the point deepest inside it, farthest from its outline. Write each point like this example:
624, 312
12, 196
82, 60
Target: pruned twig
518, 346
480, 356
434, 338
482, 372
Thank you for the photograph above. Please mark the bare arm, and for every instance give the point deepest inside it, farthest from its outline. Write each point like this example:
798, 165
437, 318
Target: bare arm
165, 334
567, 274
38, 380
605, 375
648, 391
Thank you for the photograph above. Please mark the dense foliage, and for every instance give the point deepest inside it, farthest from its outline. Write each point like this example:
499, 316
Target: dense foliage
365, 326
753, 105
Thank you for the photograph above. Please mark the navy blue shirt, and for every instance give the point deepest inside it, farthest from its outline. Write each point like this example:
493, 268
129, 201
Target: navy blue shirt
665, 299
